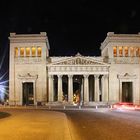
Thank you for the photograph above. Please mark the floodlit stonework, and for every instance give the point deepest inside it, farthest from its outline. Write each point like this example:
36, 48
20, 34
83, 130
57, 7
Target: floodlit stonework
37, 78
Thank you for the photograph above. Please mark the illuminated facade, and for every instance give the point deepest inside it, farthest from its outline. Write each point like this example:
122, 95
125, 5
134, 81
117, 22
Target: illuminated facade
37, 78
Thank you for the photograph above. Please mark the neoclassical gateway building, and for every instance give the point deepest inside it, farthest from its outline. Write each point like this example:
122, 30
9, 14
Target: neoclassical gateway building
37, 78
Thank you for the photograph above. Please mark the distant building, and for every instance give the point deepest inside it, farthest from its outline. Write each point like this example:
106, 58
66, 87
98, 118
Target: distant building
37, 78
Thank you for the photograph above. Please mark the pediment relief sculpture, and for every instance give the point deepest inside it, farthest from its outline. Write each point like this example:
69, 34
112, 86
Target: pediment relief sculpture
78, 61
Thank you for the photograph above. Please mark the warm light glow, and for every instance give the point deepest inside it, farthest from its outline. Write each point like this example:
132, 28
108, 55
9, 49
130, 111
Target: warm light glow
39, 51
27, 51
21, 51
120, 51
115, 51
126, 51
16, 52
137, 52
33, 51
131, 51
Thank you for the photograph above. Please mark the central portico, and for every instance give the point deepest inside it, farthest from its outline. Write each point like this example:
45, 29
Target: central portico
82, 75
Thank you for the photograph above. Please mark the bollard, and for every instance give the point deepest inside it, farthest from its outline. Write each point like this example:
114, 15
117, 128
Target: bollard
79, 107
96, 107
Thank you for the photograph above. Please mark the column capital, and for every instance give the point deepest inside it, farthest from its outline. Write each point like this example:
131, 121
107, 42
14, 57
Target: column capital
96, 76
59, 76
70, 76
50, 76
86, 76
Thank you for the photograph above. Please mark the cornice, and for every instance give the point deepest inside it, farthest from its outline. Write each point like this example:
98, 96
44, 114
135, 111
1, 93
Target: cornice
120, 38
21, 38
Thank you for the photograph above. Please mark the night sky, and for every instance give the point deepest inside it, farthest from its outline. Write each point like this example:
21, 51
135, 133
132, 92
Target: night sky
72, 26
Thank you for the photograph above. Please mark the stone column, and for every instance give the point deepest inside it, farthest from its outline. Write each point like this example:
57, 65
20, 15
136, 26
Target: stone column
86, 88
129, 51
105, 88
135, 52
18, 52
70, 88
123, 51
51, 89
117, 51
60, 92
96, 88
30, 52
24, 51
36, 51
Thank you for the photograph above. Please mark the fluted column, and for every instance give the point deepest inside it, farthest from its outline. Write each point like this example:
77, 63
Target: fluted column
60, 92
70, 88
105, 88
86, 88
51, 88
96, 88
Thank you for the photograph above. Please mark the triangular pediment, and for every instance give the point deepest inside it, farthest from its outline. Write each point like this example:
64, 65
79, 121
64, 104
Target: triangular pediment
79, 60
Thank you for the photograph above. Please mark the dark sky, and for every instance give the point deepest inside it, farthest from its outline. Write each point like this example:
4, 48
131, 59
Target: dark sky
72, 26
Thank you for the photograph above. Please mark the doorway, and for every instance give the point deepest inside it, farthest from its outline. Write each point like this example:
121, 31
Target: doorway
28, 94
127, 92
77, 89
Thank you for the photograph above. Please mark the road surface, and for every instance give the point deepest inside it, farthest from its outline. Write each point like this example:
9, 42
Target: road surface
62, 124
104, 125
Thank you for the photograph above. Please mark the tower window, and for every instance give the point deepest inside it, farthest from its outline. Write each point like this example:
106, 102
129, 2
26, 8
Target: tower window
27, 51
126, 51
132, 51
39, 51
22, 52
120, 51
33, 51
115, 51
16, 52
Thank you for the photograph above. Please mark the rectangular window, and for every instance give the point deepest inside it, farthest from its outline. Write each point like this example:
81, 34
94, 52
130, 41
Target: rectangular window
120, 51
115, 51
39, 51
21, 52
126, 51
33, 51
16, 52
27, 51
131, 51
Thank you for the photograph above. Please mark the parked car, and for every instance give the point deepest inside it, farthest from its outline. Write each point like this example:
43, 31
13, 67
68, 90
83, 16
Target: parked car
124, 105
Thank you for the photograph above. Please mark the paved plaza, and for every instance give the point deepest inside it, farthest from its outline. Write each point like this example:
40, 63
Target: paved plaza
29, 123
